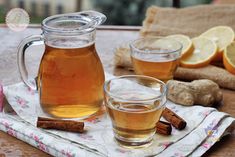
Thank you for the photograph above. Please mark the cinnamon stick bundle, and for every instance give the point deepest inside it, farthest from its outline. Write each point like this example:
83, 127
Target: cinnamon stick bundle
174, 119
163, 128
65, 125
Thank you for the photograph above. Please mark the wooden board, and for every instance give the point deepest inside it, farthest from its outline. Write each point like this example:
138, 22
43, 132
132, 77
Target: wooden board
108, 38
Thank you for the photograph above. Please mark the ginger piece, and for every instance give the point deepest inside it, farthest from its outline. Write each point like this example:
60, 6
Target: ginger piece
122, 56
201, 92
219, 75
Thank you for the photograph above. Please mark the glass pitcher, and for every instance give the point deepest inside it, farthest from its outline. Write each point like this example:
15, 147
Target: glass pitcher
70, 77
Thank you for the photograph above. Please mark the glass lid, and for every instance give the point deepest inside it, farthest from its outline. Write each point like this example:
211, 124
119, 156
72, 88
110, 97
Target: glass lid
73, 23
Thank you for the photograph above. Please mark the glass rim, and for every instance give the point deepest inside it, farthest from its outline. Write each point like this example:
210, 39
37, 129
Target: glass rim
135, 76
81, 30
132, 46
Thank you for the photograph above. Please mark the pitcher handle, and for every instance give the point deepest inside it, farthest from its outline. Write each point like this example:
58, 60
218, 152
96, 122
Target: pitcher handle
27, 42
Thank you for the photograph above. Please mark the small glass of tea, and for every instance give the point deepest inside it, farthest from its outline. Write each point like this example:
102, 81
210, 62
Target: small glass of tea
155, 56
134, 104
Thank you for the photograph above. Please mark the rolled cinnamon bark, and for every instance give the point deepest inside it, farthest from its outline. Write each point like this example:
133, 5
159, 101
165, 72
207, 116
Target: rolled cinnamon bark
174, 119
163, 128
65, 125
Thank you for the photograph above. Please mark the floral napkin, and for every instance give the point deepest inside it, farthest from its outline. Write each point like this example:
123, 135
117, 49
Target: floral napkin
205, 126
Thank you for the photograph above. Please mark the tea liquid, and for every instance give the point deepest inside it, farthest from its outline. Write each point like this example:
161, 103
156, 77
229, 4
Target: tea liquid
71, 81
162, 69
133, 121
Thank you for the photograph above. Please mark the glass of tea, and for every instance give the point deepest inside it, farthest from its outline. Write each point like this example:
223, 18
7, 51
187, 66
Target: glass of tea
134, 104
155, 56
70, 77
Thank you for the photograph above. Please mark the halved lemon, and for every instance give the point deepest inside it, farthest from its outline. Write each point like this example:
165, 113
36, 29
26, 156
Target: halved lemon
186, 42
204, 51
229, 58
222, 36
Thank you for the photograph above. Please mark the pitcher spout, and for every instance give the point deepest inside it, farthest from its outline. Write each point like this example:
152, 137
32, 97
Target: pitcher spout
96, 17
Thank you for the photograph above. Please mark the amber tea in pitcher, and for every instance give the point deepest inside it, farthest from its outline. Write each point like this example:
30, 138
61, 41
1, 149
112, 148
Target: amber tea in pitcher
70, 77
64, 71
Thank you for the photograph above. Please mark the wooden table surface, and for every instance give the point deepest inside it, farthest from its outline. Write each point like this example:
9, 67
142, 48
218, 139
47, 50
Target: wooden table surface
108, 38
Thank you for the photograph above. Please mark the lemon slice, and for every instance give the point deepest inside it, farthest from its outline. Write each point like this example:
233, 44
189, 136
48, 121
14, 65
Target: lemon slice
186, 42
222, 36
204, 51
229, 58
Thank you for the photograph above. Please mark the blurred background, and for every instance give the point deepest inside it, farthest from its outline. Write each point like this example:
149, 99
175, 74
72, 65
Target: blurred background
119, 12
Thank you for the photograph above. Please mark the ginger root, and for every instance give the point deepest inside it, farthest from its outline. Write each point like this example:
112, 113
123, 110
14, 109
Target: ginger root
201, 92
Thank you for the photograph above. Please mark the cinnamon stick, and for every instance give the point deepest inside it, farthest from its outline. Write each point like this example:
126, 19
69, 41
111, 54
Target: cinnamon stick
65, 125
163, 128
174, 119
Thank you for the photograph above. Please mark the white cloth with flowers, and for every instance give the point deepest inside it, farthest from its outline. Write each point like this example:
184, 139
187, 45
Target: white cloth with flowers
205, 126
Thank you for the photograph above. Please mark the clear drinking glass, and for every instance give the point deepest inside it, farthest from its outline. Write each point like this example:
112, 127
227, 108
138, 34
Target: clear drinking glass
70, 77
134, 104
155, 56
